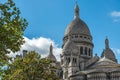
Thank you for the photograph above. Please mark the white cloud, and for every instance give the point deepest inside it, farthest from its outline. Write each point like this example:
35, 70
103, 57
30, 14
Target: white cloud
41, 46
115, 15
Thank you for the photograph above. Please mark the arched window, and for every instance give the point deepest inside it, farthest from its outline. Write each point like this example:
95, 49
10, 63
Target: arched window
89, 52
75, 60
85, 50
81, 50
68, 60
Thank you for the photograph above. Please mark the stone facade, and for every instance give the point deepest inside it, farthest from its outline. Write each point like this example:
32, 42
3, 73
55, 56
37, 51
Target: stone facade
77, 60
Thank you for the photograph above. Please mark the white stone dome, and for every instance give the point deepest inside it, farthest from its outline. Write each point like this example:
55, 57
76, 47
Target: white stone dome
108, 53
52, 57
77, 26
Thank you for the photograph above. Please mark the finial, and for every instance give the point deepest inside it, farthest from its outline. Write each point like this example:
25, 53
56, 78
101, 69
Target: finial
51, 49
106, 43
51, 44
76, 10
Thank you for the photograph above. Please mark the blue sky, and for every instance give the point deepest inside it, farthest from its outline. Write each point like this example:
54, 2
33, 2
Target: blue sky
49, 19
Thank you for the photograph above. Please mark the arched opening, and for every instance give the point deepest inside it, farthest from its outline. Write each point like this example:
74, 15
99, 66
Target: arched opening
75, 60
89, 52
81, 50
85, 50
68, 60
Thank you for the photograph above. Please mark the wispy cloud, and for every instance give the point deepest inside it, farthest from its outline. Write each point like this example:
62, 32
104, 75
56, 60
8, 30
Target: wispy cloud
117, 53
116, 50
115, 15
40, 45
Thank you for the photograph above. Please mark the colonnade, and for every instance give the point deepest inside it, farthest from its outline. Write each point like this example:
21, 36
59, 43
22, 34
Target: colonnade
104, 76
115, 76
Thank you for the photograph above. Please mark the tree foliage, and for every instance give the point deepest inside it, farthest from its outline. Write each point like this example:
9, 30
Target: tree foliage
12, 27
30, 67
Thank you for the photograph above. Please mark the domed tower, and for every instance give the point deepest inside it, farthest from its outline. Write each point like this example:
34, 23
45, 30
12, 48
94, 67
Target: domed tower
77, 42
80, 34
51, 56
107, 52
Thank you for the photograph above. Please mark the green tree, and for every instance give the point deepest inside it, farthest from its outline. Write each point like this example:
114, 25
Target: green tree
12, 27
30, 67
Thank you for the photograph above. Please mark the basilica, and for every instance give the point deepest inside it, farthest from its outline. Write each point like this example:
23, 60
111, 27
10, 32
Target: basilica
77, 60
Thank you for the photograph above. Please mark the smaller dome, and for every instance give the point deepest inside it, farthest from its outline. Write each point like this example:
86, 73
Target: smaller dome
51, 56
104, 63
69, 45
108, 53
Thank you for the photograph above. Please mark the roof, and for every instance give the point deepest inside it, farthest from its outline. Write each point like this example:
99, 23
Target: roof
107, 52
104, 63
51, 57
77, 26
70, 47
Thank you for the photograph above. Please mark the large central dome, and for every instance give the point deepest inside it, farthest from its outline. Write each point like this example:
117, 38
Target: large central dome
77, 26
